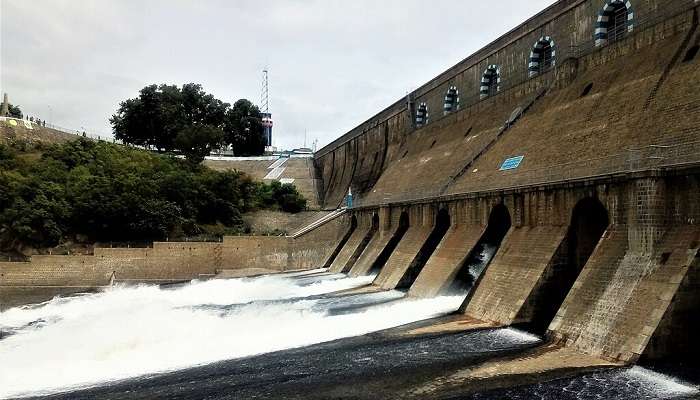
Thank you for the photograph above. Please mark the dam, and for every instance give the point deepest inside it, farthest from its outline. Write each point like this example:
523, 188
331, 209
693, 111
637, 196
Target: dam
526, 222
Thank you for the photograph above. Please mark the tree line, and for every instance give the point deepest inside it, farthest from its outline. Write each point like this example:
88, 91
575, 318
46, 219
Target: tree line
89, 191
188, 121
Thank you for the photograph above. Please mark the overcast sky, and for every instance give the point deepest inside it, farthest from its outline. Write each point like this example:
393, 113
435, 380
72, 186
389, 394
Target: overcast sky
333, 63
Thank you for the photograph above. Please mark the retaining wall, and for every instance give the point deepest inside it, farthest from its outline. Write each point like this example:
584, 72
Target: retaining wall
164, 262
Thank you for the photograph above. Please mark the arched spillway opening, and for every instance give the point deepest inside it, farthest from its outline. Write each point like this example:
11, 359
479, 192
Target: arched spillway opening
481, 255
381, 260
442, 224
343, 241
363, 244
589, 220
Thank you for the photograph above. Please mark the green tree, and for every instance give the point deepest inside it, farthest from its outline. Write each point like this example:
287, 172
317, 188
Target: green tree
197, 141
15, 111
282, 196
150, 119
161, 112
244, 130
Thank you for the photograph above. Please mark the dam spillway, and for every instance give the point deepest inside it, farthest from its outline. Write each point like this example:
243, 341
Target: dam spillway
552, 179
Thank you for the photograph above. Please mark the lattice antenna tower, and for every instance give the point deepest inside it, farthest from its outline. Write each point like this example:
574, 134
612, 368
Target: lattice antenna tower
265, 93
265, 111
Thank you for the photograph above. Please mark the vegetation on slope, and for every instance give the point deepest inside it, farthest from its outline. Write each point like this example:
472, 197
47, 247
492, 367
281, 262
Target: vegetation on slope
87, 191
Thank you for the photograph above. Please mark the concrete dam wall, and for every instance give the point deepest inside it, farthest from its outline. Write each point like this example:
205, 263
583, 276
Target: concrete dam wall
569, 151
634, 96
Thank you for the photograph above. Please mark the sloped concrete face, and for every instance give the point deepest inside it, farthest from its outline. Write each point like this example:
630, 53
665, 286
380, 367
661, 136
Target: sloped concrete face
442, 268
402, 257
360, 249
622, 294
442, 225
676, 337
349, 248
420, 226
641, 94
516, 269
631, 281
392, 225
589, 221
367, 259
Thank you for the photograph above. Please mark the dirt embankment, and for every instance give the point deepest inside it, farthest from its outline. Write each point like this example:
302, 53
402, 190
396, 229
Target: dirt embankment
18, 132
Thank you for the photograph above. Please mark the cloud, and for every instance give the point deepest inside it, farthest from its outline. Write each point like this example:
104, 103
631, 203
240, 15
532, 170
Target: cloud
333, 63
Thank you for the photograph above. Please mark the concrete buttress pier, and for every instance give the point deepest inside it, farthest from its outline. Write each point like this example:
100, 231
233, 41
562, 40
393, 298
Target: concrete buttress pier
581, 178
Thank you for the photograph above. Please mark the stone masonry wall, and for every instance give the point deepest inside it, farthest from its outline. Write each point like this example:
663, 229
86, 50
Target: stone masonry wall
441, 269
644, 70
628, 284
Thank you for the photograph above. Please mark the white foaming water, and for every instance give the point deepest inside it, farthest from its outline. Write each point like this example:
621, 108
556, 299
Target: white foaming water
213, 292
485, 256
518, 336
128, 332
662, 385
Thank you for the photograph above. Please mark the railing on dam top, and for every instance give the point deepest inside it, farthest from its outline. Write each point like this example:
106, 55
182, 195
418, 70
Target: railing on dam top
32, 124
80, 132
643, 159
646, 158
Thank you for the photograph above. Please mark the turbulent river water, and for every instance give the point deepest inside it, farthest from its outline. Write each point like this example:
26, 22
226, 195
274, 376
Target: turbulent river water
281, 336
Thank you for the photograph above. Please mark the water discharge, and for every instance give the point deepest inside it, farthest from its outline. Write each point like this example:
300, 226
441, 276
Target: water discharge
124, 332
620, 384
